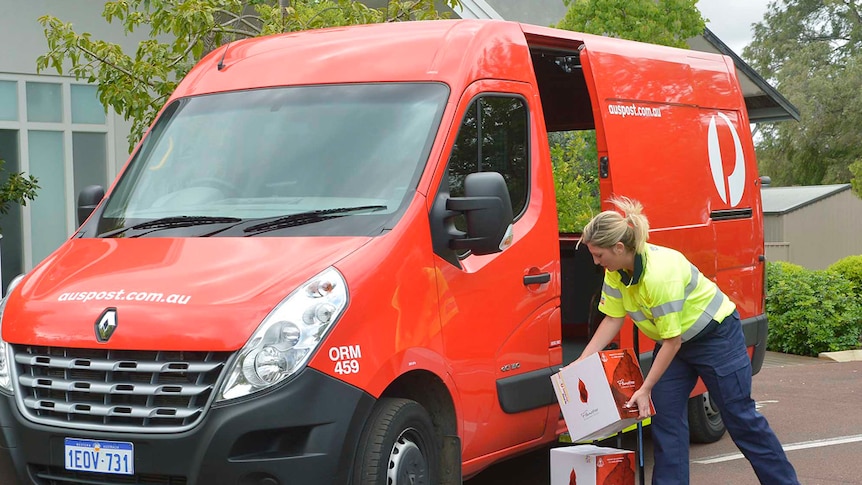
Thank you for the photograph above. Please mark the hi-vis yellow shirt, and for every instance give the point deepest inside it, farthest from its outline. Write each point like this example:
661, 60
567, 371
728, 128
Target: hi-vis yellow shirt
666, 297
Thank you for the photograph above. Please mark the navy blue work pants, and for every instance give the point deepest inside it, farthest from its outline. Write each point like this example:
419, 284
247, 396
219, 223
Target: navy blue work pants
719, 357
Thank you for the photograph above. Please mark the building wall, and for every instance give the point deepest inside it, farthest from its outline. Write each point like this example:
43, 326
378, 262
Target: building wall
778, 251
773, 228
538, 12
777, 248
53, 127
821, 233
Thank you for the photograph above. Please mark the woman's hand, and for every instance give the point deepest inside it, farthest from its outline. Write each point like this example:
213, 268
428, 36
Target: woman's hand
641, 399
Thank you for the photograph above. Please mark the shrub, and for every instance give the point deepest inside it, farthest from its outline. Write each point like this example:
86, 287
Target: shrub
576, 178
575, 202
17, 188
850, 268
811, 311
776, 270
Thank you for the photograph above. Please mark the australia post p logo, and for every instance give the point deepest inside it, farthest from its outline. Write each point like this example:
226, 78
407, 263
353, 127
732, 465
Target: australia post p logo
730, 186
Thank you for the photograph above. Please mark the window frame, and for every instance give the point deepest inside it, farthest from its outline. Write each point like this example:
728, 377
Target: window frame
528, 156
65, 126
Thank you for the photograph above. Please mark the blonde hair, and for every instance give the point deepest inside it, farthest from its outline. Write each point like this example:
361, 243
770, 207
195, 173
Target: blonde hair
629, 226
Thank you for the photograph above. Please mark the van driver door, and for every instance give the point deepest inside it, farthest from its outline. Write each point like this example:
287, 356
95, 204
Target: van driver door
496, 309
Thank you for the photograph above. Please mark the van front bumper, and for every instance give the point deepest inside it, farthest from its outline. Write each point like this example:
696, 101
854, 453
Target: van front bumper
304, 432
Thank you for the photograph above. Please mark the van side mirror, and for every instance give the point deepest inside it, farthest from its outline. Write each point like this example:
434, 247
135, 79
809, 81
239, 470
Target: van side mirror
488, 210
88, 199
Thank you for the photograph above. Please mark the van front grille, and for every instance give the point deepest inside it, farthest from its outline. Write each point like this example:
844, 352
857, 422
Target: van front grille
49, 475
145, 391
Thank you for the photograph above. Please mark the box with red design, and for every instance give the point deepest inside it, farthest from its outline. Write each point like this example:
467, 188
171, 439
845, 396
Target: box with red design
593, 392
592, 465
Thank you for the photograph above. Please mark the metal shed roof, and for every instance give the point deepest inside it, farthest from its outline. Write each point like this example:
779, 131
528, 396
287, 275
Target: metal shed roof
781, 200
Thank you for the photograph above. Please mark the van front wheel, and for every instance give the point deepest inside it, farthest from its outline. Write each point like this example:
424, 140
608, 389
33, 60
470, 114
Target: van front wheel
704, 420
398, 446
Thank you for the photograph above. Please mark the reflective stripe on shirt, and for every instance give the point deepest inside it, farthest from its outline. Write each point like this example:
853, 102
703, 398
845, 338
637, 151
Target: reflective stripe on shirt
705, 317
655, 306
676, 306
611, 291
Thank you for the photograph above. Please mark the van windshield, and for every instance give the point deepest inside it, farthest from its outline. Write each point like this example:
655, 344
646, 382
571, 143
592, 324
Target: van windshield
337, 152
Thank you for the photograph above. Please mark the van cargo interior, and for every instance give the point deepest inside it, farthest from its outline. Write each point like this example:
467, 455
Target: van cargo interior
567, 107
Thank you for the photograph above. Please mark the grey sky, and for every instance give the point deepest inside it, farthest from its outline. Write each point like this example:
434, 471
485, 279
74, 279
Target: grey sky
731, 20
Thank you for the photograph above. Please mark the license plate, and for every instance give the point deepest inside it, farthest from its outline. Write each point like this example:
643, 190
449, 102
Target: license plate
100, 456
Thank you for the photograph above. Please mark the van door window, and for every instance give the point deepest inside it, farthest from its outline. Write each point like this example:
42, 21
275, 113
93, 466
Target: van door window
493, 138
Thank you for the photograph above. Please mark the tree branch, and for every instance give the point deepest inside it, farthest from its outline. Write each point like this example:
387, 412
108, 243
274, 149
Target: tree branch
113, 65
824, 38
401, 11
185, 53
239, 18
318, 14
851, 8
283, 5
238, 32
159, 101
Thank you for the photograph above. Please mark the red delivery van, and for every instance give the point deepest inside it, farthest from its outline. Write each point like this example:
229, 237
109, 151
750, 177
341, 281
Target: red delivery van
335, 257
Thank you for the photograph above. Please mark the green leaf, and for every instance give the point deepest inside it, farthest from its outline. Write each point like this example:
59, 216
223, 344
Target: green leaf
811, 51
16, 188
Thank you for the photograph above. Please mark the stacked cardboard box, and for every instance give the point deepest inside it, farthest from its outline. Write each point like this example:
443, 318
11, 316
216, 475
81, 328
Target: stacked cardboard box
593, 392
592, 465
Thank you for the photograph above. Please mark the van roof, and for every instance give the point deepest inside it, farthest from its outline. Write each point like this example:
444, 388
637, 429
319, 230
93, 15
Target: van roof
451, 51
397, 51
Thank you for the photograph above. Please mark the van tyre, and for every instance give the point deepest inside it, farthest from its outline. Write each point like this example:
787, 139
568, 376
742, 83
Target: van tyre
398, 446
704, 420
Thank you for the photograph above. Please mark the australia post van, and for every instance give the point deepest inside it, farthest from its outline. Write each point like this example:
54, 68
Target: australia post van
335, 257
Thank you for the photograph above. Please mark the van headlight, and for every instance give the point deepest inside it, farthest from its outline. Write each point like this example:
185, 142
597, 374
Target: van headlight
287, 337
5, 365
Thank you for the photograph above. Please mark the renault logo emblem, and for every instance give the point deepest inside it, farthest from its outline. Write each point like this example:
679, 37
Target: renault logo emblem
106, 324
730, 187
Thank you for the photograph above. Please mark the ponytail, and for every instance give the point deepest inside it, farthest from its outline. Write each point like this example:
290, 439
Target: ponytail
629, 226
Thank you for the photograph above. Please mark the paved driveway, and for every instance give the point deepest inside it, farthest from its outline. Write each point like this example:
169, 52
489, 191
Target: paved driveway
813, 405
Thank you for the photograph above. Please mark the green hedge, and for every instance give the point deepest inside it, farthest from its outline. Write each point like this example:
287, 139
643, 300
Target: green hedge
811, 311
850, 268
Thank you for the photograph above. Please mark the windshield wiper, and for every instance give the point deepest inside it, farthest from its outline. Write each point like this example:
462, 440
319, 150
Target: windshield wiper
309, 217
172, 222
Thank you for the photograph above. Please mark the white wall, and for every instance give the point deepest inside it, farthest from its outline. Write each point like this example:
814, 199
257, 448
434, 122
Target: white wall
538, 12
24, 41
25, 243
19, 21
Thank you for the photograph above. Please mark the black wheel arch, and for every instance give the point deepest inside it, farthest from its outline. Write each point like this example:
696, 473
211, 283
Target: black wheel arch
429, 391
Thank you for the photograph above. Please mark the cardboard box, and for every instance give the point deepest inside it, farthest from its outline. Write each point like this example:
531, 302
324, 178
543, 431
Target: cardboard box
592, 465
592, 394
